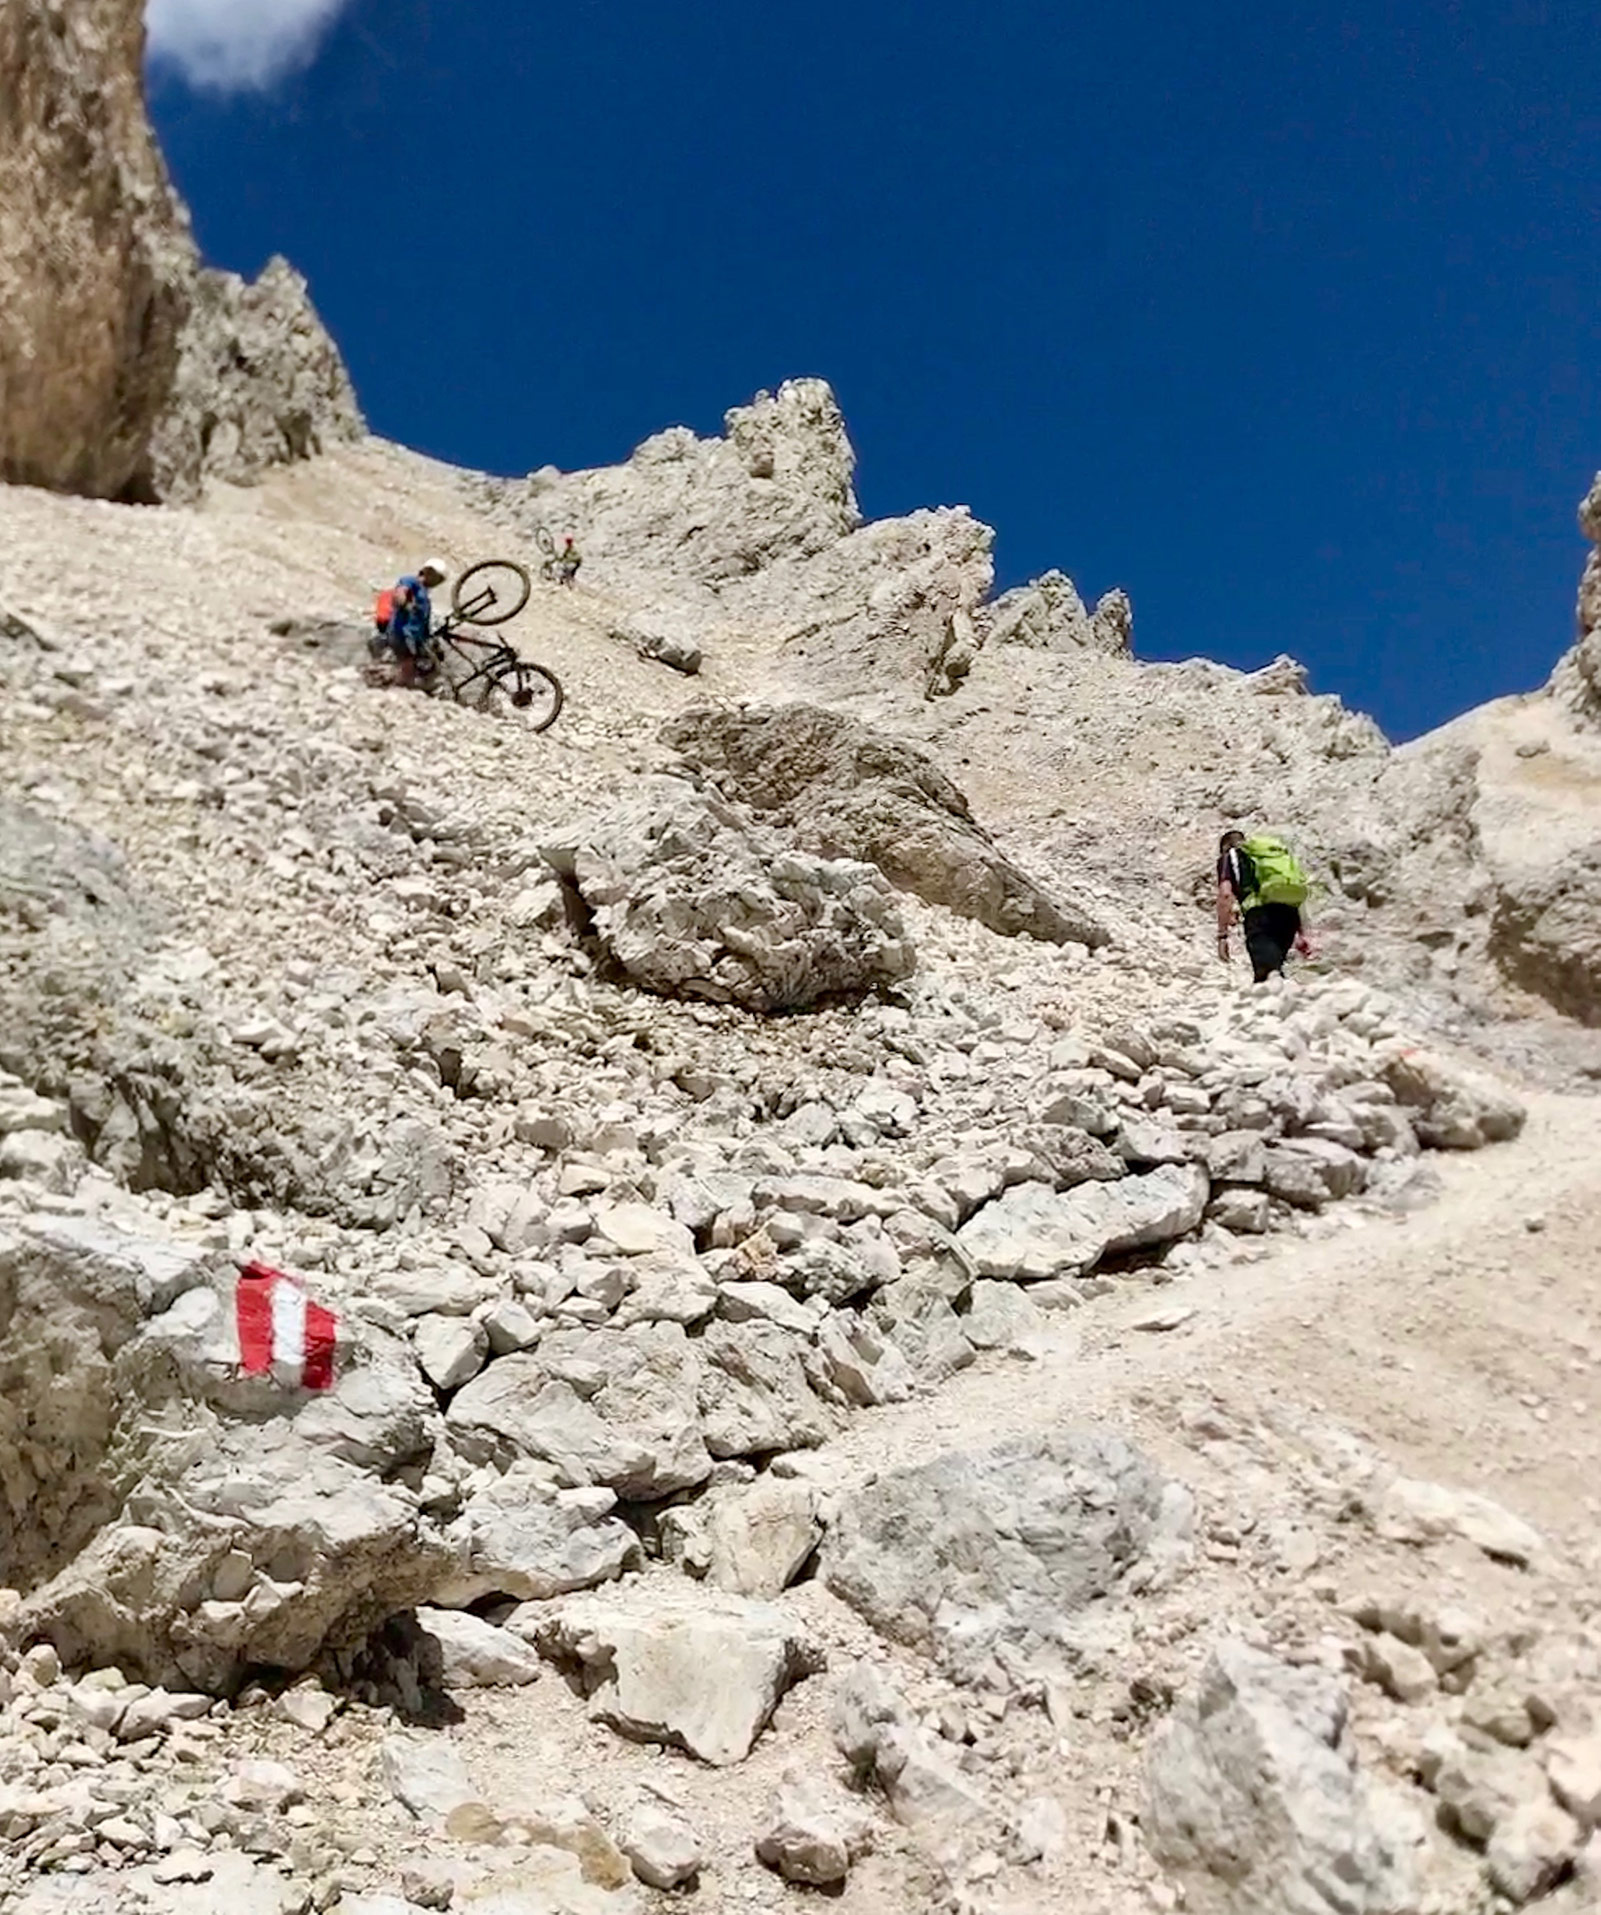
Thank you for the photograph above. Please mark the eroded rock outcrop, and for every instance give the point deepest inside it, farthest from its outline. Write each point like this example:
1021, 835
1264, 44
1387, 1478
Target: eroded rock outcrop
689, 898
1577, 679
1049, 615
990, 1547
1255, 1801
844, 791
710, 512
127, 370
1546, 933
169, 1514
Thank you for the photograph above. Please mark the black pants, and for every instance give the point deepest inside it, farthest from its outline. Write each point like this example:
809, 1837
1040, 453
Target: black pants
1270, 930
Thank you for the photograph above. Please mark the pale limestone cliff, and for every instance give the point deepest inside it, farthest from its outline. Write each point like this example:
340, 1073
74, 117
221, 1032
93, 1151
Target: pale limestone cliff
127, 370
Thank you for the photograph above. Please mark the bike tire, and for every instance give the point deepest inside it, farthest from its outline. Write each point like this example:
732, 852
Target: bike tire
533, 690
506, 583
544, 538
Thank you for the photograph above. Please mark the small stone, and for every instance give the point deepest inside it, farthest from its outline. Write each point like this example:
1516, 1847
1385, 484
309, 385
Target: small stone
474, 1654
1501, 1716
182, 1865
426, 1775
42, 1665
1573, 1768
1042, 1830
813, 1834
661, 1849
635, 1230
542, 1130
268, 1787
510, 1325
1172, 1318
451, 1350
122, 1833
1531, 1849
1396, 1667
308, 1708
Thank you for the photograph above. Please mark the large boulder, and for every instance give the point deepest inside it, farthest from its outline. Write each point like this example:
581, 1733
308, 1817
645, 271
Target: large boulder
518, 1537
617, 1409
1254, 1799
1032, 1232
166, 1512
978, 1546
701, 1674
127, 371
1546, 930
844, 791
1451, 1108
688, 897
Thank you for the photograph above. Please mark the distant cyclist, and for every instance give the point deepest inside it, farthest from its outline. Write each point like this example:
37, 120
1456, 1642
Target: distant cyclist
404, 617
568, 560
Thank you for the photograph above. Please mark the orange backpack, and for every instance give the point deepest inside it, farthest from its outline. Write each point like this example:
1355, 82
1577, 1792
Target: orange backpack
383, 609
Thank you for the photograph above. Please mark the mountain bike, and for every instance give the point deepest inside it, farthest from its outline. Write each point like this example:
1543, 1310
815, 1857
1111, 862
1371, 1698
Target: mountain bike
478, 670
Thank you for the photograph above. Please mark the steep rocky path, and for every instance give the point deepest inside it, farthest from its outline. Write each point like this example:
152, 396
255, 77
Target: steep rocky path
671, 1275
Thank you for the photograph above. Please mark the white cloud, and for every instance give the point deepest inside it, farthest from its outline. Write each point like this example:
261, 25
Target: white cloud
234, 45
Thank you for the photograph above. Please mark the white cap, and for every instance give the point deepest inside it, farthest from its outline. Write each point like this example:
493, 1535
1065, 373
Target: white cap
438, 567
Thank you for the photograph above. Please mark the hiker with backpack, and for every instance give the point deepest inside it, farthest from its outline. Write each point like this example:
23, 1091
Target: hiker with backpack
1261, 877
404, 616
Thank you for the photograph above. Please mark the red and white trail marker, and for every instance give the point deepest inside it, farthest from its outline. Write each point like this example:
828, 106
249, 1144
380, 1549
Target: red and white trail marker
282, 1332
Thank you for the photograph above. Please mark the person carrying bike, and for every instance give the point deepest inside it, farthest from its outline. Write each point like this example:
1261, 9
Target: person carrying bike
411, 617
568, 560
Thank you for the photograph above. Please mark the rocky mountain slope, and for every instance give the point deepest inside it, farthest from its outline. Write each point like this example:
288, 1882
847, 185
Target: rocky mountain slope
128, 370
822, 1345
680, 1342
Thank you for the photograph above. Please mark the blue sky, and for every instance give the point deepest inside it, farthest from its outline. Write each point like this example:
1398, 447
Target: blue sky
1286, 318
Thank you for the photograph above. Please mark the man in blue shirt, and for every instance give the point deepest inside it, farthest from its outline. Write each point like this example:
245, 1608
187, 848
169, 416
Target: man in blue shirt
411, 617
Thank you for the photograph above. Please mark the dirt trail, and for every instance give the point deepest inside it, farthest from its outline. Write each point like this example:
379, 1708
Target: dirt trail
1463, 1343
1457, 1341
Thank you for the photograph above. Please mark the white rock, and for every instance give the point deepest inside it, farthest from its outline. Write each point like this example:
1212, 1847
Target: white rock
635, 1230
702, 1675
260, 1784
451, 1350
663, 1849
1573, 1767
1412, 1511
1254, 1801
1031, 1232
813, 1833
1531, 1849
425, 1774
474, 1654
758, 1539
509, 1325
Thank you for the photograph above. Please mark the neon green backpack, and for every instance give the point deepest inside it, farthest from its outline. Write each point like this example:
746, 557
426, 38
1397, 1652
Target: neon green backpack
1277, 875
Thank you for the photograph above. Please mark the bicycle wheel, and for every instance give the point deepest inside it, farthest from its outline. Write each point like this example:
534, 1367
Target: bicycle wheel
490, 592
531, 689
544, 538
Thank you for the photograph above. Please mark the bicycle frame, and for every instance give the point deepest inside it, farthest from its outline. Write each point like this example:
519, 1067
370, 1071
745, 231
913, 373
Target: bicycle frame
468, 646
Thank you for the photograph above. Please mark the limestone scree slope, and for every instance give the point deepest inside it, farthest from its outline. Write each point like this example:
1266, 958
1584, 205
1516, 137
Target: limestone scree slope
868, 1363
